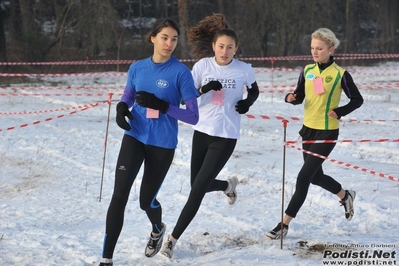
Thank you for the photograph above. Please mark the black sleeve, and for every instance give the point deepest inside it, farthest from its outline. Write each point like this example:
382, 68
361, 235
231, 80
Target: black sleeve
299, 90
351, 90
253, 93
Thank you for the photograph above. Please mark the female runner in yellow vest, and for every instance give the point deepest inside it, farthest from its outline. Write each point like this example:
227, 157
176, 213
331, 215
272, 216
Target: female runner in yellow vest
320, 85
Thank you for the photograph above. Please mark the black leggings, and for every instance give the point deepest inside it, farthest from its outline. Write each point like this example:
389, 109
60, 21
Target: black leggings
156, 165
312, 171
209, 156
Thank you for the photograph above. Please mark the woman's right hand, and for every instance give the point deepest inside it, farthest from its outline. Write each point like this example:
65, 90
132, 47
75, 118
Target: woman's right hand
212, 85
122, 111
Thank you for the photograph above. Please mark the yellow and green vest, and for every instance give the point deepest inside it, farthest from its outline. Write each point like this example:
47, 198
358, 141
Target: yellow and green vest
318, 105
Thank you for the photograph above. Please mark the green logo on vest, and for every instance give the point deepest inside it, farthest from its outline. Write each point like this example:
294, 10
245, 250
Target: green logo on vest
328, 79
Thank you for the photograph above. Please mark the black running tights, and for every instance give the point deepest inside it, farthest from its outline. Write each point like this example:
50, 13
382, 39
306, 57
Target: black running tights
312, 171
156, 165
208, 157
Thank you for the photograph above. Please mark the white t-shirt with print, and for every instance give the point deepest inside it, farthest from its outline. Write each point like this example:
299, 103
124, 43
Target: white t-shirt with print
217, 114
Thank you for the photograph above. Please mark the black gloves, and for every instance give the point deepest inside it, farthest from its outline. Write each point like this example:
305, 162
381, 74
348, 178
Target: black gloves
212, 85
242, 106
122, 110
146, 99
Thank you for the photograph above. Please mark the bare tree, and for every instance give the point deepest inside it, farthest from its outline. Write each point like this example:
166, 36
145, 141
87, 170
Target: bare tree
386, 22
392, 26
289, 25
3, 50
121, 36
94, 27
63, 21
253, 23
265, 27
350, 25
183, 19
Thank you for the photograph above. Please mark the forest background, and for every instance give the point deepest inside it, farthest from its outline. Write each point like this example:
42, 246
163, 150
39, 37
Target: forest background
67, 30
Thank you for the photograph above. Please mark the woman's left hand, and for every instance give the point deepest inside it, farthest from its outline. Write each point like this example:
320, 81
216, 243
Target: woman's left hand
146, 99
242, 106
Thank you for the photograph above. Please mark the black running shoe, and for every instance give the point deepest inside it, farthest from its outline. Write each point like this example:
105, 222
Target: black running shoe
106, 264
155, 243
276, 232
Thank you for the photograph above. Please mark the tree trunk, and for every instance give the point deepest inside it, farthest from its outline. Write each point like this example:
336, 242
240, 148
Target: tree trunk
15, 16
26, 16
183, 19
393, 17
351, 27
3, 50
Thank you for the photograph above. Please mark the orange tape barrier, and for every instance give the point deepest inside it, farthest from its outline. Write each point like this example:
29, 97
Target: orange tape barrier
281, 118
15, 89
51, 118
340, 141
52, 110
112, 74
55, 94
346, 164
270, 58
379, 72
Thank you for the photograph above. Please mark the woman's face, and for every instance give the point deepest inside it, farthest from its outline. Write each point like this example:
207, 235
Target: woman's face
164, 43
320, 51
224, 48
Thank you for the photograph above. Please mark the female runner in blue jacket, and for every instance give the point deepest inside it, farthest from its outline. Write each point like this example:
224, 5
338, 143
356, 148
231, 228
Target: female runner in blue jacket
155, 88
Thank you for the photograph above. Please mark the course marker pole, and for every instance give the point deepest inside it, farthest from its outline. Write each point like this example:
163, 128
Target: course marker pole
105, 144
285, 122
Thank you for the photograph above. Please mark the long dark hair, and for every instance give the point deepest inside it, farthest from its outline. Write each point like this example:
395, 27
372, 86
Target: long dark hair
159, 25
201, 37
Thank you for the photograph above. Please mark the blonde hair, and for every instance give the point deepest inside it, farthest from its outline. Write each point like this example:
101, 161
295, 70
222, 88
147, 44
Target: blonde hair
326, 36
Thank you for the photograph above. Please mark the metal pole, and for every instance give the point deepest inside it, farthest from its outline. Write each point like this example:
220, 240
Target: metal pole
285, 122
272, 83
105, 144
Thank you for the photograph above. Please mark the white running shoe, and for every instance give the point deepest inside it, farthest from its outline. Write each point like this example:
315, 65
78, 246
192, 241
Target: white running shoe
154, 243
276, 232
347, 202
232, 193
169, 247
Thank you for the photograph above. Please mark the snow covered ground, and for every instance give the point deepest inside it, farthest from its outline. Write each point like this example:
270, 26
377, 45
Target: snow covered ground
51, 170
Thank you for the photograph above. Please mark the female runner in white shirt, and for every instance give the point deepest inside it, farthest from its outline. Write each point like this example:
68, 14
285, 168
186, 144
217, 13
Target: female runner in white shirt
221, 80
